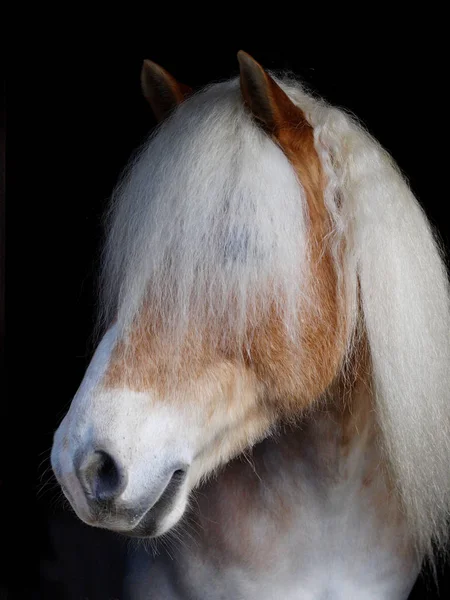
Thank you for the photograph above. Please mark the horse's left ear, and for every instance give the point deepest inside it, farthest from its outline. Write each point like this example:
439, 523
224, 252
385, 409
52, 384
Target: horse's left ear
162, 91
268, 103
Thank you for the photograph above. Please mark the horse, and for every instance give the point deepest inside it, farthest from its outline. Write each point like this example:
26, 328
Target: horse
271, 386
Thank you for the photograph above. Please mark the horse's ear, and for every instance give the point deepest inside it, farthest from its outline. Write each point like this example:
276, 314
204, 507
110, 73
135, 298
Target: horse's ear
267, 102
162, 91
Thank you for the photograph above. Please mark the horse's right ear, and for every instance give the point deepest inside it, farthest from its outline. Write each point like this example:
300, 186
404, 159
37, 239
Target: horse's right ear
162, 91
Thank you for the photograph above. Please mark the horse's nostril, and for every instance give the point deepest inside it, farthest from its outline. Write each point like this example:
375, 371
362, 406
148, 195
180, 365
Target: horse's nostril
179, 473
102, 477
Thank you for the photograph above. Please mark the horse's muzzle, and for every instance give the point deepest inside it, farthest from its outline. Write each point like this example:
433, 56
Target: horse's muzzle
96, 483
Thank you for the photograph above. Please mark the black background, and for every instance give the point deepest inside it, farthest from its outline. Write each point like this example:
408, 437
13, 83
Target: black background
75, 114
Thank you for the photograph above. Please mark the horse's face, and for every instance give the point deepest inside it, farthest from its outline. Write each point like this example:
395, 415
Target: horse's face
127, 458
137, 439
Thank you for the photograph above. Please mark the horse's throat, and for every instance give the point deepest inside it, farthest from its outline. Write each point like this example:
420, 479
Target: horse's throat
320, 484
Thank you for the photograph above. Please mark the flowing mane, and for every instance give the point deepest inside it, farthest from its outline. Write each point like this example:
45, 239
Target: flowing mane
222, 239
201, 228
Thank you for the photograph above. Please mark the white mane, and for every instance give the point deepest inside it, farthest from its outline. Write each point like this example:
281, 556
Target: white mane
210, 223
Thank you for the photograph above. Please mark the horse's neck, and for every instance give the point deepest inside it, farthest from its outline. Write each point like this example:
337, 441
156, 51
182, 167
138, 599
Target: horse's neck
303, 472
310, 503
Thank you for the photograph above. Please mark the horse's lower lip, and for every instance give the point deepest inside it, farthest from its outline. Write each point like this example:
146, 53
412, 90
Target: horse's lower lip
148, 523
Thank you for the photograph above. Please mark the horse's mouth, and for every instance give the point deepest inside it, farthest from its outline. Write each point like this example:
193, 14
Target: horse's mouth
146, 518
149, 523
